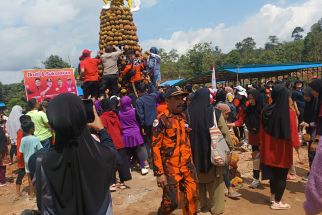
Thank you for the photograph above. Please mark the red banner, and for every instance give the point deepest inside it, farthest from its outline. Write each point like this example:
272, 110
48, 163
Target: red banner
48, 83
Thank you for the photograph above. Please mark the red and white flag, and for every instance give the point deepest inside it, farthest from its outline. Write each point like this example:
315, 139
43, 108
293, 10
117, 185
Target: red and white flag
213, 79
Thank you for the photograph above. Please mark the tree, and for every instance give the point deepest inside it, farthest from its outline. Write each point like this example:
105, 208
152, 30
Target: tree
313, 43
202, 56
272, 42
246, 45
232, 58
296, 34
246, 50
294, 51
55, 62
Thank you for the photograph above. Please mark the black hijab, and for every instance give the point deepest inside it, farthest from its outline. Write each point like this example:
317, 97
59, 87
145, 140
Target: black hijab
253, 113
317, 86
276, 116
106, 105
220, 96
310, 110
201, 119
78, 168
114, 103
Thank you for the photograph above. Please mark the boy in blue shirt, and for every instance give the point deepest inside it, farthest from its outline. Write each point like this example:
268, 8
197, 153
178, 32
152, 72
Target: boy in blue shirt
30, 144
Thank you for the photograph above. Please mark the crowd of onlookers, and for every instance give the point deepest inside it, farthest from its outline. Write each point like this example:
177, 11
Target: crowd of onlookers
138, 125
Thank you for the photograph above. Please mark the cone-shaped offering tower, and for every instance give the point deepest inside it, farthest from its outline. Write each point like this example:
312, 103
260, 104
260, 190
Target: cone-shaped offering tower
117, 27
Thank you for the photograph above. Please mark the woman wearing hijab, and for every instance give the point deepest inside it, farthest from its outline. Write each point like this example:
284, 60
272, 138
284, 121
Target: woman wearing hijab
132, 138
112, 125
221, 96
240, 103
74, 175
252, 121
225, 110
278, 136
313, 193
316, 86
13, 125
210, 177
309, 117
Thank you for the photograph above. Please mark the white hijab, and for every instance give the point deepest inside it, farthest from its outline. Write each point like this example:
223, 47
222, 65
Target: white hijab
13, 123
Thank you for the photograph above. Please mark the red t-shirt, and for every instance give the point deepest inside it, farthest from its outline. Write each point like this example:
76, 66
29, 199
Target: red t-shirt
112, 125
60, 90
279, 152
90, 65
34, 91
21, 163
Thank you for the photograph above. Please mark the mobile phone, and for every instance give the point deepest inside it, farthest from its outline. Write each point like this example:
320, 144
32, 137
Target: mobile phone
88, 104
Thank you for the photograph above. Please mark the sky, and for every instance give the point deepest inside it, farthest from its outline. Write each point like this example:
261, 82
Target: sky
31, 30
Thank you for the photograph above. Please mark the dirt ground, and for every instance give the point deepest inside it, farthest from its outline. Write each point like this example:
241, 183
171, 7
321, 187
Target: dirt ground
143, 196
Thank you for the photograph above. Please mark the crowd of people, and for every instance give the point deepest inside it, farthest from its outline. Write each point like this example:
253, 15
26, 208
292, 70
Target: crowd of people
186, 136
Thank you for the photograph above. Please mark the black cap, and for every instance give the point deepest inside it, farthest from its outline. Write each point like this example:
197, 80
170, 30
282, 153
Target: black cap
175, 91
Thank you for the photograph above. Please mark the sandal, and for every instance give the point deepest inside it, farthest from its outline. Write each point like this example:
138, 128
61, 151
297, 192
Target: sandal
280, 206
234, 195
122, 186
113, 188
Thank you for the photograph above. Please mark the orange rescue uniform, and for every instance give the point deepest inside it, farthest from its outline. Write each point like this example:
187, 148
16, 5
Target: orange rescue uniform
172, 157
137, 67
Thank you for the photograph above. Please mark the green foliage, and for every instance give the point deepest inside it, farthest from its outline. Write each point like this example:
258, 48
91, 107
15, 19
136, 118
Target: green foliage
296, 34
55, 62
203, 56
13, 94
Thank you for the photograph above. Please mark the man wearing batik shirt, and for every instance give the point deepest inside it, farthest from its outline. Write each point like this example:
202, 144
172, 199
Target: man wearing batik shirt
172, 157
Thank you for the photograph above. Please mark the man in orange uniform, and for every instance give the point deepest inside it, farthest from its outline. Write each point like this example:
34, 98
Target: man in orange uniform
172, 156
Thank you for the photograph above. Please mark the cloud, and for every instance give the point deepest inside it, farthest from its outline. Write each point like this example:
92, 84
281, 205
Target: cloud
279, 20
40, 28
44, 13
31, 30
149, 3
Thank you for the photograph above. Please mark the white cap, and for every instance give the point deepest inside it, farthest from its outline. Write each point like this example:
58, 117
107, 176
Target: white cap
242, 93
240, 88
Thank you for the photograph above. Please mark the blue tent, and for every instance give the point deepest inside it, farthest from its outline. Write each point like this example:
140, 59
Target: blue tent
2, 104
272, 68
170, 82
232, 73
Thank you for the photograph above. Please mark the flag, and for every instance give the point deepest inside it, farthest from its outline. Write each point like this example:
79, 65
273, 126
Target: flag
213, 78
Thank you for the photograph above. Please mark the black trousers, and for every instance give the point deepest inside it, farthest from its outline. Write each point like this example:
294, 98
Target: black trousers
278, 182
122, 166
110, 82
13, 152
255, 172
148, 139
91, 88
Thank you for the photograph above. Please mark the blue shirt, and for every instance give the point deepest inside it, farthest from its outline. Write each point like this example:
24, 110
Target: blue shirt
29, 145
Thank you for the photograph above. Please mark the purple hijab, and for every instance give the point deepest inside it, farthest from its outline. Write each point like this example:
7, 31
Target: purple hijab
313, 193
130, 127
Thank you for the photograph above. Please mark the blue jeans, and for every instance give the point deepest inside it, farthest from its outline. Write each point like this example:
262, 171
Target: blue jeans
156, 77
46, 143
226, 177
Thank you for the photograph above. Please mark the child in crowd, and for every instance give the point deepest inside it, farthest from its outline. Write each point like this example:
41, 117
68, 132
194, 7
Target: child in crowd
112, 125
29, 145
20, 159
